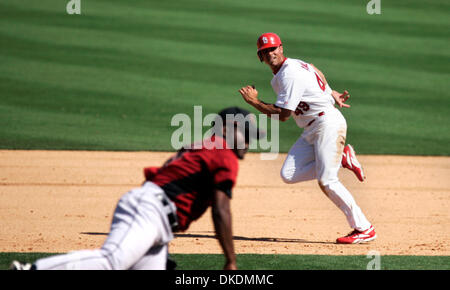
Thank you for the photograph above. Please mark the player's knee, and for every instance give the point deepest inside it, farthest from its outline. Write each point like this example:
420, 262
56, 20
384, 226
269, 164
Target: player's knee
328, 186
324, 185
321, 184
287, 177
327, 180
115, 261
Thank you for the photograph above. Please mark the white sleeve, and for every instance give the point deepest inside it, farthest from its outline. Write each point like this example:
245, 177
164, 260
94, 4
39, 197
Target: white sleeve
328, 91
290, 93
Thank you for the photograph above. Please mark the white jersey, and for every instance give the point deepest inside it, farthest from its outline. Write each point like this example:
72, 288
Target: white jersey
317, 154
300, 89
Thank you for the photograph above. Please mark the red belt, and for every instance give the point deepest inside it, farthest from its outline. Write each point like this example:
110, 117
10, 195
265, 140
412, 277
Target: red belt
312, 121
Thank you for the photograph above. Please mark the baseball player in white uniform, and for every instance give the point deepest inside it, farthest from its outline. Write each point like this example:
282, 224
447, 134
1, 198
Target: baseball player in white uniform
303, 93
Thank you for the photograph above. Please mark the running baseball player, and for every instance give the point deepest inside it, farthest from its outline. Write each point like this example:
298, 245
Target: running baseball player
303, 93
171, 198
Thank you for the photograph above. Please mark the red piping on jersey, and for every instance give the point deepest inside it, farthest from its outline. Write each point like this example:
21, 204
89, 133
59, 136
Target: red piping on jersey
278, 69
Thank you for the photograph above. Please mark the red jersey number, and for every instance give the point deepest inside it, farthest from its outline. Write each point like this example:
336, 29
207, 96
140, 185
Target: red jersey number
301, 108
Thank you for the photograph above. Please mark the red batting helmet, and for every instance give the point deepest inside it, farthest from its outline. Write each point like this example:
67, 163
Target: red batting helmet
267, 40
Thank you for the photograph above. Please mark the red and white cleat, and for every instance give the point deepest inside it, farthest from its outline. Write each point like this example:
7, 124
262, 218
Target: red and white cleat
349, 161
357, 237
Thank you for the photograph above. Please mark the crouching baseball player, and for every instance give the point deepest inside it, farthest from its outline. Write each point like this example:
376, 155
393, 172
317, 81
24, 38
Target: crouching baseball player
171, 198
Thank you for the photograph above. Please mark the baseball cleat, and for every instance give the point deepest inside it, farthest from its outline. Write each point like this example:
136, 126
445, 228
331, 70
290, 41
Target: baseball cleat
349, 161
357, 237
16, 265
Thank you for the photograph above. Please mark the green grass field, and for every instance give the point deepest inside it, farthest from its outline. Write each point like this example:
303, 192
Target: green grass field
279, 262
113, 77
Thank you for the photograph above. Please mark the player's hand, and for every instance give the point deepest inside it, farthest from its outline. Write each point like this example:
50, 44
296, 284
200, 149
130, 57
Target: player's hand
250, 94
341, 98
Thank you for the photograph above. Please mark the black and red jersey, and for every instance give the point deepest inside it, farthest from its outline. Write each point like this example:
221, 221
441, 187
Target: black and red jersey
191, 177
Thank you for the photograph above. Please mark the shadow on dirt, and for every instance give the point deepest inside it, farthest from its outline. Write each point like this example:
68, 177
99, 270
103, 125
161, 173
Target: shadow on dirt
236, 238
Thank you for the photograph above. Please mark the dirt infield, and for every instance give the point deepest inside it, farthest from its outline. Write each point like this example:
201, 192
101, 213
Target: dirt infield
58, 201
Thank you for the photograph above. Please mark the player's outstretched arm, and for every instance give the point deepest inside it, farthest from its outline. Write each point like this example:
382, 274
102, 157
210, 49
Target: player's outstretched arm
221, 215
250, 95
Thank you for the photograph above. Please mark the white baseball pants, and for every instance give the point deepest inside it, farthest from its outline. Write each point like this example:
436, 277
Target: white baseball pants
138, 239
317, 155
